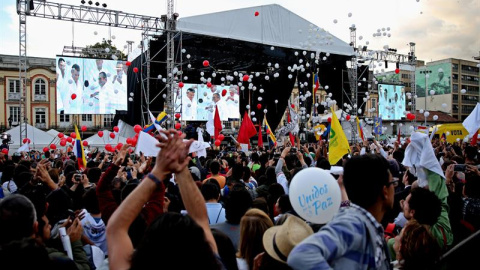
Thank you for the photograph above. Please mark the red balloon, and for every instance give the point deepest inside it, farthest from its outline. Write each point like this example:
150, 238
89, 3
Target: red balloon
209, 84
100, 134
129, 141
128, 63
45, 149
60, 135
259, 106
257, 13
69, 139
108, 147
116, 129
5, 151
179, 132
221, 137
329, 119
206, 63
119, 146
112, 135
137, 128
245, 78
26, 140
348, 117
177, 115
84, 128
53, 146
178, 126
134, 141
135, 69
224, 92
397, 70
217, 142
180, 84
85, 143
63, 142
73, 135
293, 106
74, 96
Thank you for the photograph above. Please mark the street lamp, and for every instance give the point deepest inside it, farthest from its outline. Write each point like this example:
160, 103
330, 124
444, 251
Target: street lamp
427, 74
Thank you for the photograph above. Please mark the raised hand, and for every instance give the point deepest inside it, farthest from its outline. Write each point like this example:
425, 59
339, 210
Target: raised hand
173, 156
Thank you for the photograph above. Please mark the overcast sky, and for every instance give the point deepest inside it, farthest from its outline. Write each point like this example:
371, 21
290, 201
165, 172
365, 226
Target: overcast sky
440, 28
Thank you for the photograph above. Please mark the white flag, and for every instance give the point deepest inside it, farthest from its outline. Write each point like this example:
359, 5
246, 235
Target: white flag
472, 122
147, 145
24, 148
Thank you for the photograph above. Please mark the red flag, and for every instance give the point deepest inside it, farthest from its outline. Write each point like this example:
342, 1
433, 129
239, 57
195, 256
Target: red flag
247, 130
260, 138
292, 138
217, 123
474, 139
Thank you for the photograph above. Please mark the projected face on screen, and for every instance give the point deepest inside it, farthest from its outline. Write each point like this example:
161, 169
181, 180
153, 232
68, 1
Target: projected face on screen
391, 102
196, 102
91, 86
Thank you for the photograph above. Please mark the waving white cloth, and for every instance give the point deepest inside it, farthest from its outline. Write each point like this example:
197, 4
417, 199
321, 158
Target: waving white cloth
420, 156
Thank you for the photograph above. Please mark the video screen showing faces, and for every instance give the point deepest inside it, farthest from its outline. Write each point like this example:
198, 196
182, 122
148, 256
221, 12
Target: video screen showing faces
197, 102
91, 86
391, 105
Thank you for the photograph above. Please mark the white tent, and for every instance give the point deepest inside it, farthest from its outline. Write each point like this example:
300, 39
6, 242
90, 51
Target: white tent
53, 132
39, 138
274, 26
96, 141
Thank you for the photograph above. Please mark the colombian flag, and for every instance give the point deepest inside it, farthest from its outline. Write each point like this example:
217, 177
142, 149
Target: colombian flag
78, 150
360, 130
272, 140
160, 119
316, 85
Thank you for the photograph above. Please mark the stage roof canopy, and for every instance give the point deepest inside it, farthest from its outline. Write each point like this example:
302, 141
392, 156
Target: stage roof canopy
274, 26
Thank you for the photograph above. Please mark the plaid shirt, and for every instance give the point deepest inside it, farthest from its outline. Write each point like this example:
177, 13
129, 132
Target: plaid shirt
353, 239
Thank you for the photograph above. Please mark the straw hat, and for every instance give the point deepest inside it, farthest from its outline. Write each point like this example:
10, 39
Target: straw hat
278, 241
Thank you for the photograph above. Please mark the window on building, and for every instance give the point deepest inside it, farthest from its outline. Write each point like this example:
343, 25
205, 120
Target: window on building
40, 86
14, 86
86, 117
40, 116
455, 87
15, 114
64, 117
107, 120
455, 97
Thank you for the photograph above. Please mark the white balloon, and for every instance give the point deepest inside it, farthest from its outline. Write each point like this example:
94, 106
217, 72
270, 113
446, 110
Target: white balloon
95, 33
276, 101
432, 92
252, 113
447, 133
248, 107
426, 114
444, 105
107, 50
463, 91
315, 195
349, 14
435, 117
335, 21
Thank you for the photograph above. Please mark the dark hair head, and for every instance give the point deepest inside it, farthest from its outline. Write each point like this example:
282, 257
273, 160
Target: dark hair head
470, 152
94, 174
254, 157
58, 205
284, 203
8, 172
426, 204
246, 173
90, 201
271, 176
261, 203
210, 191
214, 167
60, 60
102, 74
252, 227
76, 67
226, 250
17, 217
364, 178
176, 230
237, 204
191, 90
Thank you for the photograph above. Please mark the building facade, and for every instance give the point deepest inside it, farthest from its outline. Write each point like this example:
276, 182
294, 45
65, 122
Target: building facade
40, 98
451, 85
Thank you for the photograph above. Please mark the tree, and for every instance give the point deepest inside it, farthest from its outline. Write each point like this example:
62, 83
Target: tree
103, 50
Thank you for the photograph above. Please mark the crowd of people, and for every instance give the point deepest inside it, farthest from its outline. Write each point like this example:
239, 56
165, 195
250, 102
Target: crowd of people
231, 209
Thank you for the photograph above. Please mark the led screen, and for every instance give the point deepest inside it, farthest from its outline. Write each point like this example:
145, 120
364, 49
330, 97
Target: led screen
197, 102
91, 86
391, 101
